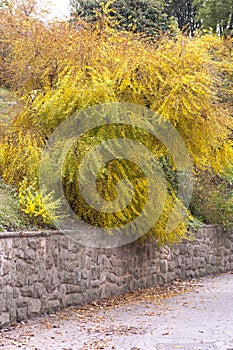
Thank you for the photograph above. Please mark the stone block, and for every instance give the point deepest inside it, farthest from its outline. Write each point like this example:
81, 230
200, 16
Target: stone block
26, 291
22, 313
164, 266
111, 277
111, 289
53, 305
75, 299
16, 293
4, 319
29, 255
73, 288
34, 306
188, 263
69, 278
34, 243
16, 243
196, 251
5, 268
49, 262
172, 265
39, 291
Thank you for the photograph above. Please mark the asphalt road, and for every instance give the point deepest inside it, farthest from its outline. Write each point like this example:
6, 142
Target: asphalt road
198, 320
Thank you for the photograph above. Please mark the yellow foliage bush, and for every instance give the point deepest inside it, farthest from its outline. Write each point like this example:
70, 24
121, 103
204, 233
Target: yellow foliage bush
37, 205
20, 150
180, 78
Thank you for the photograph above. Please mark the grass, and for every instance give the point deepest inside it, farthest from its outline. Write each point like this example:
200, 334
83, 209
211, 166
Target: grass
10, 217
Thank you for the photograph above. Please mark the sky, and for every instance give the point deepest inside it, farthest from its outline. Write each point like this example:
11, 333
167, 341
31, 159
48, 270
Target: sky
57, 8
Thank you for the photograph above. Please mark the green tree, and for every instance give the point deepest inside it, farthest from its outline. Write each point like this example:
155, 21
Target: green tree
216, 15
184, 12
140, 16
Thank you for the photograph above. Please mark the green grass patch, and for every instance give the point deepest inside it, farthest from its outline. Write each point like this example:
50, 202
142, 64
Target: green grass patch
10, 216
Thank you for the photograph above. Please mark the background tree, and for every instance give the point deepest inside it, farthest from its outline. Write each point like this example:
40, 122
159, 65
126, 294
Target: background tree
184, 12
14, 21
31, 59
216, 15
140, 16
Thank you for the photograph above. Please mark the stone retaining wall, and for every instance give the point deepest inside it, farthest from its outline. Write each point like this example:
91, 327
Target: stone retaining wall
44, 271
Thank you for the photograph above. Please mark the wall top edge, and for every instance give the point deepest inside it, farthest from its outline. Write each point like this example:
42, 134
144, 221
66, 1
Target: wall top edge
46, 233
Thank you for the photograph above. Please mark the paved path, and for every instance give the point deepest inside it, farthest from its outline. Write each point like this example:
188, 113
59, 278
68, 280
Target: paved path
199, 320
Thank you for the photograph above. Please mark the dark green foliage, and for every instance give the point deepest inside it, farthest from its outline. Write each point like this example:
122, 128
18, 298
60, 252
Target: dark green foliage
213, 198
141, 16
184, 12
10, 216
